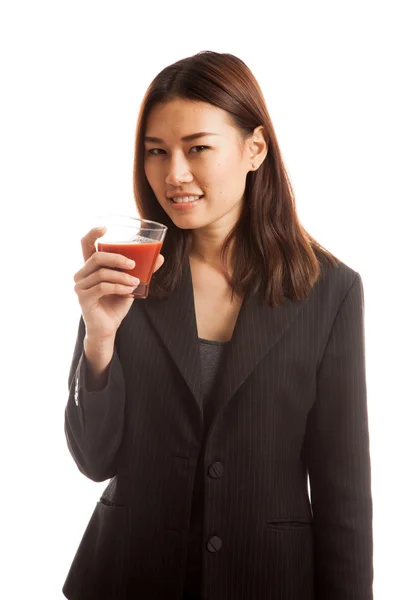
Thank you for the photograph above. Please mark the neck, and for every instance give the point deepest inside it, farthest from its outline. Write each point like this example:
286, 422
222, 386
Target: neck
206, 248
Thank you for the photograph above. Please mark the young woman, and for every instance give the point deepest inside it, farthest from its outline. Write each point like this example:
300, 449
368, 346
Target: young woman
241, 378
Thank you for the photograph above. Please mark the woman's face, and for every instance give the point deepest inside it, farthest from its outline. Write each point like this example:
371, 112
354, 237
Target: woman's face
214, 165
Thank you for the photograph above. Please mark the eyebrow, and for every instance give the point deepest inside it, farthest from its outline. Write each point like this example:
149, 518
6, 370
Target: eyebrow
186, 138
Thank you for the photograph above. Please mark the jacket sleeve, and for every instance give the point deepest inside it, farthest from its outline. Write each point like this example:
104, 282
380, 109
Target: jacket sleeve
94, 421
338, 460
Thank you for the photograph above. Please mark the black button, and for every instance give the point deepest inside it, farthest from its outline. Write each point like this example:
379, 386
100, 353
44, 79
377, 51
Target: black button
215, 470
214, 544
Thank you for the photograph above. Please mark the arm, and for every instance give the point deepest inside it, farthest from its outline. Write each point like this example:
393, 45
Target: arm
337, 456
94, 420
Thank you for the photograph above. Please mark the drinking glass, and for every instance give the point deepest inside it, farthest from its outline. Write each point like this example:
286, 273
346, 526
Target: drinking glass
138, 239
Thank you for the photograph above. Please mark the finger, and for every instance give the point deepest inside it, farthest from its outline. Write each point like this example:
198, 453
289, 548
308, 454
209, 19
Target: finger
106, 275
103, 259
88, 241
104, 288
159, 262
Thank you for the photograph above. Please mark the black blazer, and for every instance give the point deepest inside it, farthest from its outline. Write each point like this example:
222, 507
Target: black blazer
290, 403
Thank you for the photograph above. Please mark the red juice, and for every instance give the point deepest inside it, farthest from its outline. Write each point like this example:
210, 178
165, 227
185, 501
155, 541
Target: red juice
143, 253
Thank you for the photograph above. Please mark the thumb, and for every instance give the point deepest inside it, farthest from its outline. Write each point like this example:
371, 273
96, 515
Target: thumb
88, 241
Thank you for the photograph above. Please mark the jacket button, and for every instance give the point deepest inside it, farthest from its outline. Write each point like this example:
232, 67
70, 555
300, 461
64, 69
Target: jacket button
214, 544
215, 470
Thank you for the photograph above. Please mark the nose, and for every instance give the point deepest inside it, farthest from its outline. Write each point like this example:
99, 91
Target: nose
178, 171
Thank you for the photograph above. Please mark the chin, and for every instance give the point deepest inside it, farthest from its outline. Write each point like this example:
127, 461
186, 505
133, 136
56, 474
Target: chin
188, 224
188, 221
183, 226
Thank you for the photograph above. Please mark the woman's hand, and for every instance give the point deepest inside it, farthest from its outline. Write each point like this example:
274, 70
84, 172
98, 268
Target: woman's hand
102, 290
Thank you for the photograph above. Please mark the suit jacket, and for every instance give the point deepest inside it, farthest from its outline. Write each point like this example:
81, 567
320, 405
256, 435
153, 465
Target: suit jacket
290, 404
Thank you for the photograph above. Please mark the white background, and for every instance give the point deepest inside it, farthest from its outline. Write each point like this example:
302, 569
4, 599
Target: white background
72, 77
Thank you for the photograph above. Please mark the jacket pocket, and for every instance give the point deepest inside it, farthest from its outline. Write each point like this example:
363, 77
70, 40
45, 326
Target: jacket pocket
289, 558
290, 524
100, 564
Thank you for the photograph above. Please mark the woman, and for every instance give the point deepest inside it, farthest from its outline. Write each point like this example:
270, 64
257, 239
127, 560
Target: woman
211, 403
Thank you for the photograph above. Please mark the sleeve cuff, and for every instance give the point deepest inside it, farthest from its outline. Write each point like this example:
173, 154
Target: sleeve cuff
80, 390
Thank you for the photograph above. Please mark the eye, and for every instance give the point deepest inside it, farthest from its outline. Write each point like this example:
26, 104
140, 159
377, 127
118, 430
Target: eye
157, 151
204, 147
154, 151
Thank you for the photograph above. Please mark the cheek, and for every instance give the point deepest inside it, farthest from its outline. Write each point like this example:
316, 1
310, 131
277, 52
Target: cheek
153, 179
225, 179
214, 180
227, 170
148, 171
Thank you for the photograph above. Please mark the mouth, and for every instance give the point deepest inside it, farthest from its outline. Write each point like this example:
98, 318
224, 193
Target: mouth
185, 203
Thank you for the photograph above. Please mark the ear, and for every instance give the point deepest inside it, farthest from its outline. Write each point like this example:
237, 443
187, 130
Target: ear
258, 148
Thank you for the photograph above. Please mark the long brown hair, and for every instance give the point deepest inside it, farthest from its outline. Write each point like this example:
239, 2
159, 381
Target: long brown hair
270, 248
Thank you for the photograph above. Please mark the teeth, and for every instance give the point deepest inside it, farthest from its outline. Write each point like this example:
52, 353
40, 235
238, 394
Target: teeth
186, 199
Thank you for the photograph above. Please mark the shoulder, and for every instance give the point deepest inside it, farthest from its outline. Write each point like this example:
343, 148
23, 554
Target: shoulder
335, 283
340, 275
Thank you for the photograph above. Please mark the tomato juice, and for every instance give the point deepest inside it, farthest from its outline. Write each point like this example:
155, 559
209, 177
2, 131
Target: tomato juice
144, 253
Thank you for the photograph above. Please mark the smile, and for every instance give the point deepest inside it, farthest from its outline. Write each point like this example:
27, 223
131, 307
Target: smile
186, 203
186, 199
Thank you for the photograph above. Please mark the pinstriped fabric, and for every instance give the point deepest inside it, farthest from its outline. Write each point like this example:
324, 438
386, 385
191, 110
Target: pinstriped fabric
339, 425
290, 403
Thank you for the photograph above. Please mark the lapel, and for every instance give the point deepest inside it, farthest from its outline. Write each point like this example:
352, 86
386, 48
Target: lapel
258, 329
175, 321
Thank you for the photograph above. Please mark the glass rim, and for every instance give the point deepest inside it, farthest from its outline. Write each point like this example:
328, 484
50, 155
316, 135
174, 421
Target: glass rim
159, 226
